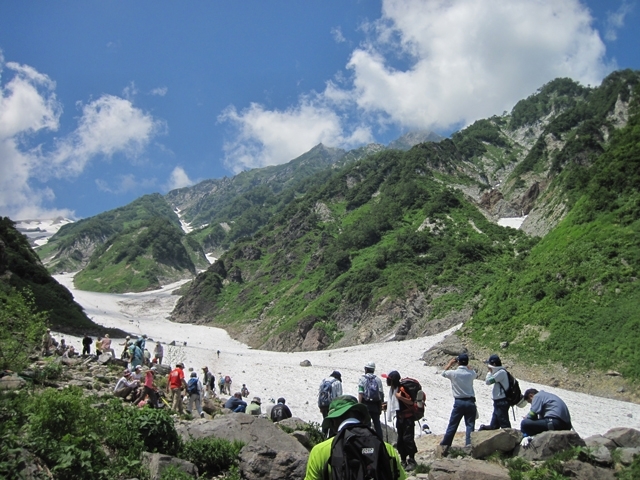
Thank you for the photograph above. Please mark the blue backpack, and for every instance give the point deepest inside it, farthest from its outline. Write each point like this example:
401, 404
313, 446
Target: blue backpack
192, 386
371, 391
324, 395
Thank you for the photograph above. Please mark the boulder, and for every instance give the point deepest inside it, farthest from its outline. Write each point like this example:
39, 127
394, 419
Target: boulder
163, 370
487, 442
600, 455
466, 469
546, 444
304, 438
105, 358
595, 441
268, 453
158, 462
578, 470
305, 363
294, 423
12, 382
624, 437
261, 462
627, 454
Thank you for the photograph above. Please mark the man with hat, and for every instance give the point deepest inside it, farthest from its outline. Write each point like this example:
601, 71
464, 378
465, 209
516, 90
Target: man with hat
330, 387
548, 412
176, 384
497, 376
209, 381
370, 393
464, 400
347, 417
254, 407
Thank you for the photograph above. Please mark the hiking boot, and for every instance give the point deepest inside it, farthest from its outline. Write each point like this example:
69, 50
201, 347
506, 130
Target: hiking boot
442, 451
410, 465
202, 415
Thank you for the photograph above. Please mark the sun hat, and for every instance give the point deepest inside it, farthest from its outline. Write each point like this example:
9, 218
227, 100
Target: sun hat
371, 365
336, 374
256, 400
343, 404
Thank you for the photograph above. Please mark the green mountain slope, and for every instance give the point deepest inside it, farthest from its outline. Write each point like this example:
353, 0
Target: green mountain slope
141, 257
21, 270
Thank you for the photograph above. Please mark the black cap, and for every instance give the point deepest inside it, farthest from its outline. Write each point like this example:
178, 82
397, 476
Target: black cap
463, 359
336, 374
494, 360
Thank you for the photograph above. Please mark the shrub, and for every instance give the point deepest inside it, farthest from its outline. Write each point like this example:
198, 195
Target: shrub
211, 455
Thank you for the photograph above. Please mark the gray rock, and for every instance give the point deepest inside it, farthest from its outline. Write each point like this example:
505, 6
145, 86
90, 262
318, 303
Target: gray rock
304, 438
158, 462
260, 462
624, 437
293, 423
466, 469
105, 359
12, 382
546, 444
627, 454
584, 471
601, 455
595, 441
163, 370
487, 442
305, 363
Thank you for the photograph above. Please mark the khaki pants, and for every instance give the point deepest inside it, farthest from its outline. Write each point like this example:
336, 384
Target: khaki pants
176, 400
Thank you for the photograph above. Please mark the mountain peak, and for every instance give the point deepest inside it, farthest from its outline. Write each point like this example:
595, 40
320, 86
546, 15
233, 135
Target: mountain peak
409, 139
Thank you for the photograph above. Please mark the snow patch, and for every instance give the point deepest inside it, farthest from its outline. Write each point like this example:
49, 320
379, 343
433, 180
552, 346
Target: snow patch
40, 231
513, 222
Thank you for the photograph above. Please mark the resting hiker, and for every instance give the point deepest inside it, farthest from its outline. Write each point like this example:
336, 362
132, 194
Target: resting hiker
280, 411
399, 406
548, 412
196, 393
254, 407
235, 403
497, 376
352, 422
126, 386
61, 348
330, 389
158, 352
176, 384
464, 400
370, 393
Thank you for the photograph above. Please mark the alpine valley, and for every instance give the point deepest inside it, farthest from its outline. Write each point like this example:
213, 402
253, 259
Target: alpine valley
337, 248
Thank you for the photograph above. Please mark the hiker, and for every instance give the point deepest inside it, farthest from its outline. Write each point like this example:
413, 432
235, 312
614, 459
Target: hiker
47, 341
86, 344
125, 351
126, 386
61, 348
196, 393
227, 384
106, 345
221, 384
70, 352
136, 354
370, 393
236, 404
147, 357
99, 346
280, 411
548, 412
158, 352
218, 353
352, 421
254, 408
176, 384
497, 376
464, 400
209, 381
399, 406
148, 390
244, 391
330, 389
142, 341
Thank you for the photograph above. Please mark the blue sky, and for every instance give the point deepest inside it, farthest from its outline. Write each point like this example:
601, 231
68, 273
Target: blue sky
102, 102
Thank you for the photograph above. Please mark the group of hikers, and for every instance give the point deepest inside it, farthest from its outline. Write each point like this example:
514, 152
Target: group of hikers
353, 424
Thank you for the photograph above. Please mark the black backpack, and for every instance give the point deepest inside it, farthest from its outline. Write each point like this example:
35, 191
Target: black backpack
357, 453
324, 394
414, 389
513, 394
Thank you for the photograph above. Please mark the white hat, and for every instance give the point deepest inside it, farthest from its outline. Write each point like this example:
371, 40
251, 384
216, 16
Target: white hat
371, 365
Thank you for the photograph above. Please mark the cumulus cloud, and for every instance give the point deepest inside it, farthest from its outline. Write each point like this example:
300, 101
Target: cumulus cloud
615, 21
270, 137
28, 106
429, 64
178, 179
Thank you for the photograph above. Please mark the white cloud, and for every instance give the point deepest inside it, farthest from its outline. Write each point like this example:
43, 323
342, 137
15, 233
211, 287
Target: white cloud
160, 91
271, 137
470, 59
126, 183
178, 179
337, 35
428, 64
615, 21
28, 106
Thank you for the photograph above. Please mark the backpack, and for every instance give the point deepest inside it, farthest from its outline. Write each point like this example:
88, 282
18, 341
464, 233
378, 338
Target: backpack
227, 379
192, 386
277, 413
357, 453
513, 394
413, 388
371, 391
324, 395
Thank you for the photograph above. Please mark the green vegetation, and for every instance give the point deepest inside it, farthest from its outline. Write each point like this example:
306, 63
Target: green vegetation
137, 258
75, 440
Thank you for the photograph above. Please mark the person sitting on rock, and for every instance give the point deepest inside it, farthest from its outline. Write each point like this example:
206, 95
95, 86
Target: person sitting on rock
548, 412
126, 386
236, 404
70, 352
280, 411
254, 407
62, 347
